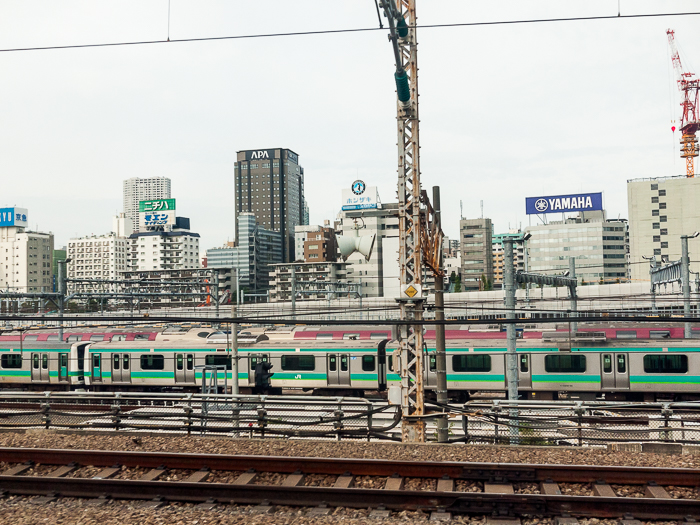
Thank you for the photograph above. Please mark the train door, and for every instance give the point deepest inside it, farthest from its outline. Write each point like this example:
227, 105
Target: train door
339, 369
431, 370
121, 368
264, 358
622, 373
40, 366
96, 368
63, 366
184, 368
607, 376
524, 371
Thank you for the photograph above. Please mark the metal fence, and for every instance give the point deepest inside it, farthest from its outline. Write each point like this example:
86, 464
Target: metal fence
578, 423
298, 417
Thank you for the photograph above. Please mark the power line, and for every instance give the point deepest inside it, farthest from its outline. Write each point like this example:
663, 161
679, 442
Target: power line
351, 30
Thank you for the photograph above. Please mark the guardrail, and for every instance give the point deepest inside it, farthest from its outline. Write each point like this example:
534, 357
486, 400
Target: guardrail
298, 417
579, 423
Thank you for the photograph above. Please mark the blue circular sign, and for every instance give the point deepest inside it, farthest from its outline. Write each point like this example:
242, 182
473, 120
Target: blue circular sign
358, 187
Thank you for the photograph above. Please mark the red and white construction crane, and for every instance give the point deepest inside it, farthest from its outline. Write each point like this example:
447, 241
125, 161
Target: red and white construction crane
688, 86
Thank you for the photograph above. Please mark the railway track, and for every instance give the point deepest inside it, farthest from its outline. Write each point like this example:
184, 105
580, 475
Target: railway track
446, 488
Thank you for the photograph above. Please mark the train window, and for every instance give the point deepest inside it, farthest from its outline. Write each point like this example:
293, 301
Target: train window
118, 337
96, 360
390, 363
81, 357
607, 363
35, 361
343, 363
471, 363
98, 337
216, 360
665, 364
432, 363
63, 360
141, 337
190, 362
115, 364
368, 363
332, 363
324, 336
125, 362
52, 338
659, 334
299, 362
567, 364
31, 338
152, 362
626, 334
378, 335
621, 364
11, 361
44, 361
524, 364
179, 362
202, 334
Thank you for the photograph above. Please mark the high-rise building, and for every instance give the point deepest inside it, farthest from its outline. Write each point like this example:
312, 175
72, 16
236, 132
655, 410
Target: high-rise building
26, 266
103, 257
477, 256
599, 247
315, 243
661, 210
270, 184
137, 189
255, 251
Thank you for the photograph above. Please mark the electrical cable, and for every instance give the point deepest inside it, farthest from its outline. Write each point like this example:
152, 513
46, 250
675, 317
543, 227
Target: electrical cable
351, 30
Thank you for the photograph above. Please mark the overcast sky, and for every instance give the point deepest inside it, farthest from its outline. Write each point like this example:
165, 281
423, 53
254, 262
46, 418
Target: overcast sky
507, 111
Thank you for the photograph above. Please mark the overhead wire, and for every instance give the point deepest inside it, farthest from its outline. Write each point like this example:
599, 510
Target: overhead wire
349, 30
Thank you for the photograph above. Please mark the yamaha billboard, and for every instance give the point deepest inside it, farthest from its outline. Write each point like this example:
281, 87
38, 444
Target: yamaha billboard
564, 203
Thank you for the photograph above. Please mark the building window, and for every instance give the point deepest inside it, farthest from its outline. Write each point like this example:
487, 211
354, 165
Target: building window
662, 205
654, 213
654, 186
657, 251
657, 238
663, 218
655, 225
654, 199
664, 245
662, 193
663, 231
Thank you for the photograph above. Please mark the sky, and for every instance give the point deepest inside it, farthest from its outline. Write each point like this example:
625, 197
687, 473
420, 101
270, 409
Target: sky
507, 111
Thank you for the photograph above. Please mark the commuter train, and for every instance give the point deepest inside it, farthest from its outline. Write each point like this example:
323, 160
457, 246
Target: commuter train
354, 361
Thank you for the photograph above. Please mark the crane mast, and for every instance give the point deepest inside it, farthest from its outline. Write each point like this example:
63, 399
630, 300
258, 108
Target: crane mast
420, 237
688, 85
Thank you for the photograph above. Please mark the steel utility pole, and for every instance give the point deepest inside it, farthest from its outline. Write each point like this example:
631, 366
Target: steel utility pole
511, 353
440, 356
574, 306
685, 281
61, 294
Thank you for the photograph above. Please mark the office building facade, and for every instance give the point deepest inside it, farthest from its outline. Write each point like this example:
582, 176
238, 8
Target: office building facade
661, 210
475, 239
269, 183
137, 189
599, 246
27, 257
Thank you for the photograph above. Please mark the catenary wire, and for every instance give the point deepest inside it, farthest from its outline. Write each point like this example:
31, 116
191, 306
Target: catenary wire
349, 30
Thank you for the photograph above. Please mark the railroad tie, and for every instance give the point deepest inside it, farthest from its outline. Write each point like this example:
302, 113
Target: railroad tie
18, 470
63, 471
344, 481
499, 488
294, 480
603, 490
153, 474
246, 478
652, 490
503, 521
395, 482
198, 476
446, 484
440, 515
565, 521
107, 472
549, 488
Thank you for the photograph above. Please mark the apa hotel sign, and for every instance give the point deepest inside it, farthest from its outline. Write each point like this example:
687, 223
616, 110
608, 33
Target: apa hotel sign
564, 203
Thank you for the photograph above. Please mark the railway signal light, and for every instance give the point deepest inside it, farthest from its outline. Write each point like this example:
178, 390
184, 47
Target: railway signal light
262, 377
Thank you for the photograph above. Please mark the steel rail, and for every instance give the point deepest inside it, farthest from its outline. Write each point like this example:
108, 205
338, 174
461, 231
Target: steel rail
505, 472
456, 502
